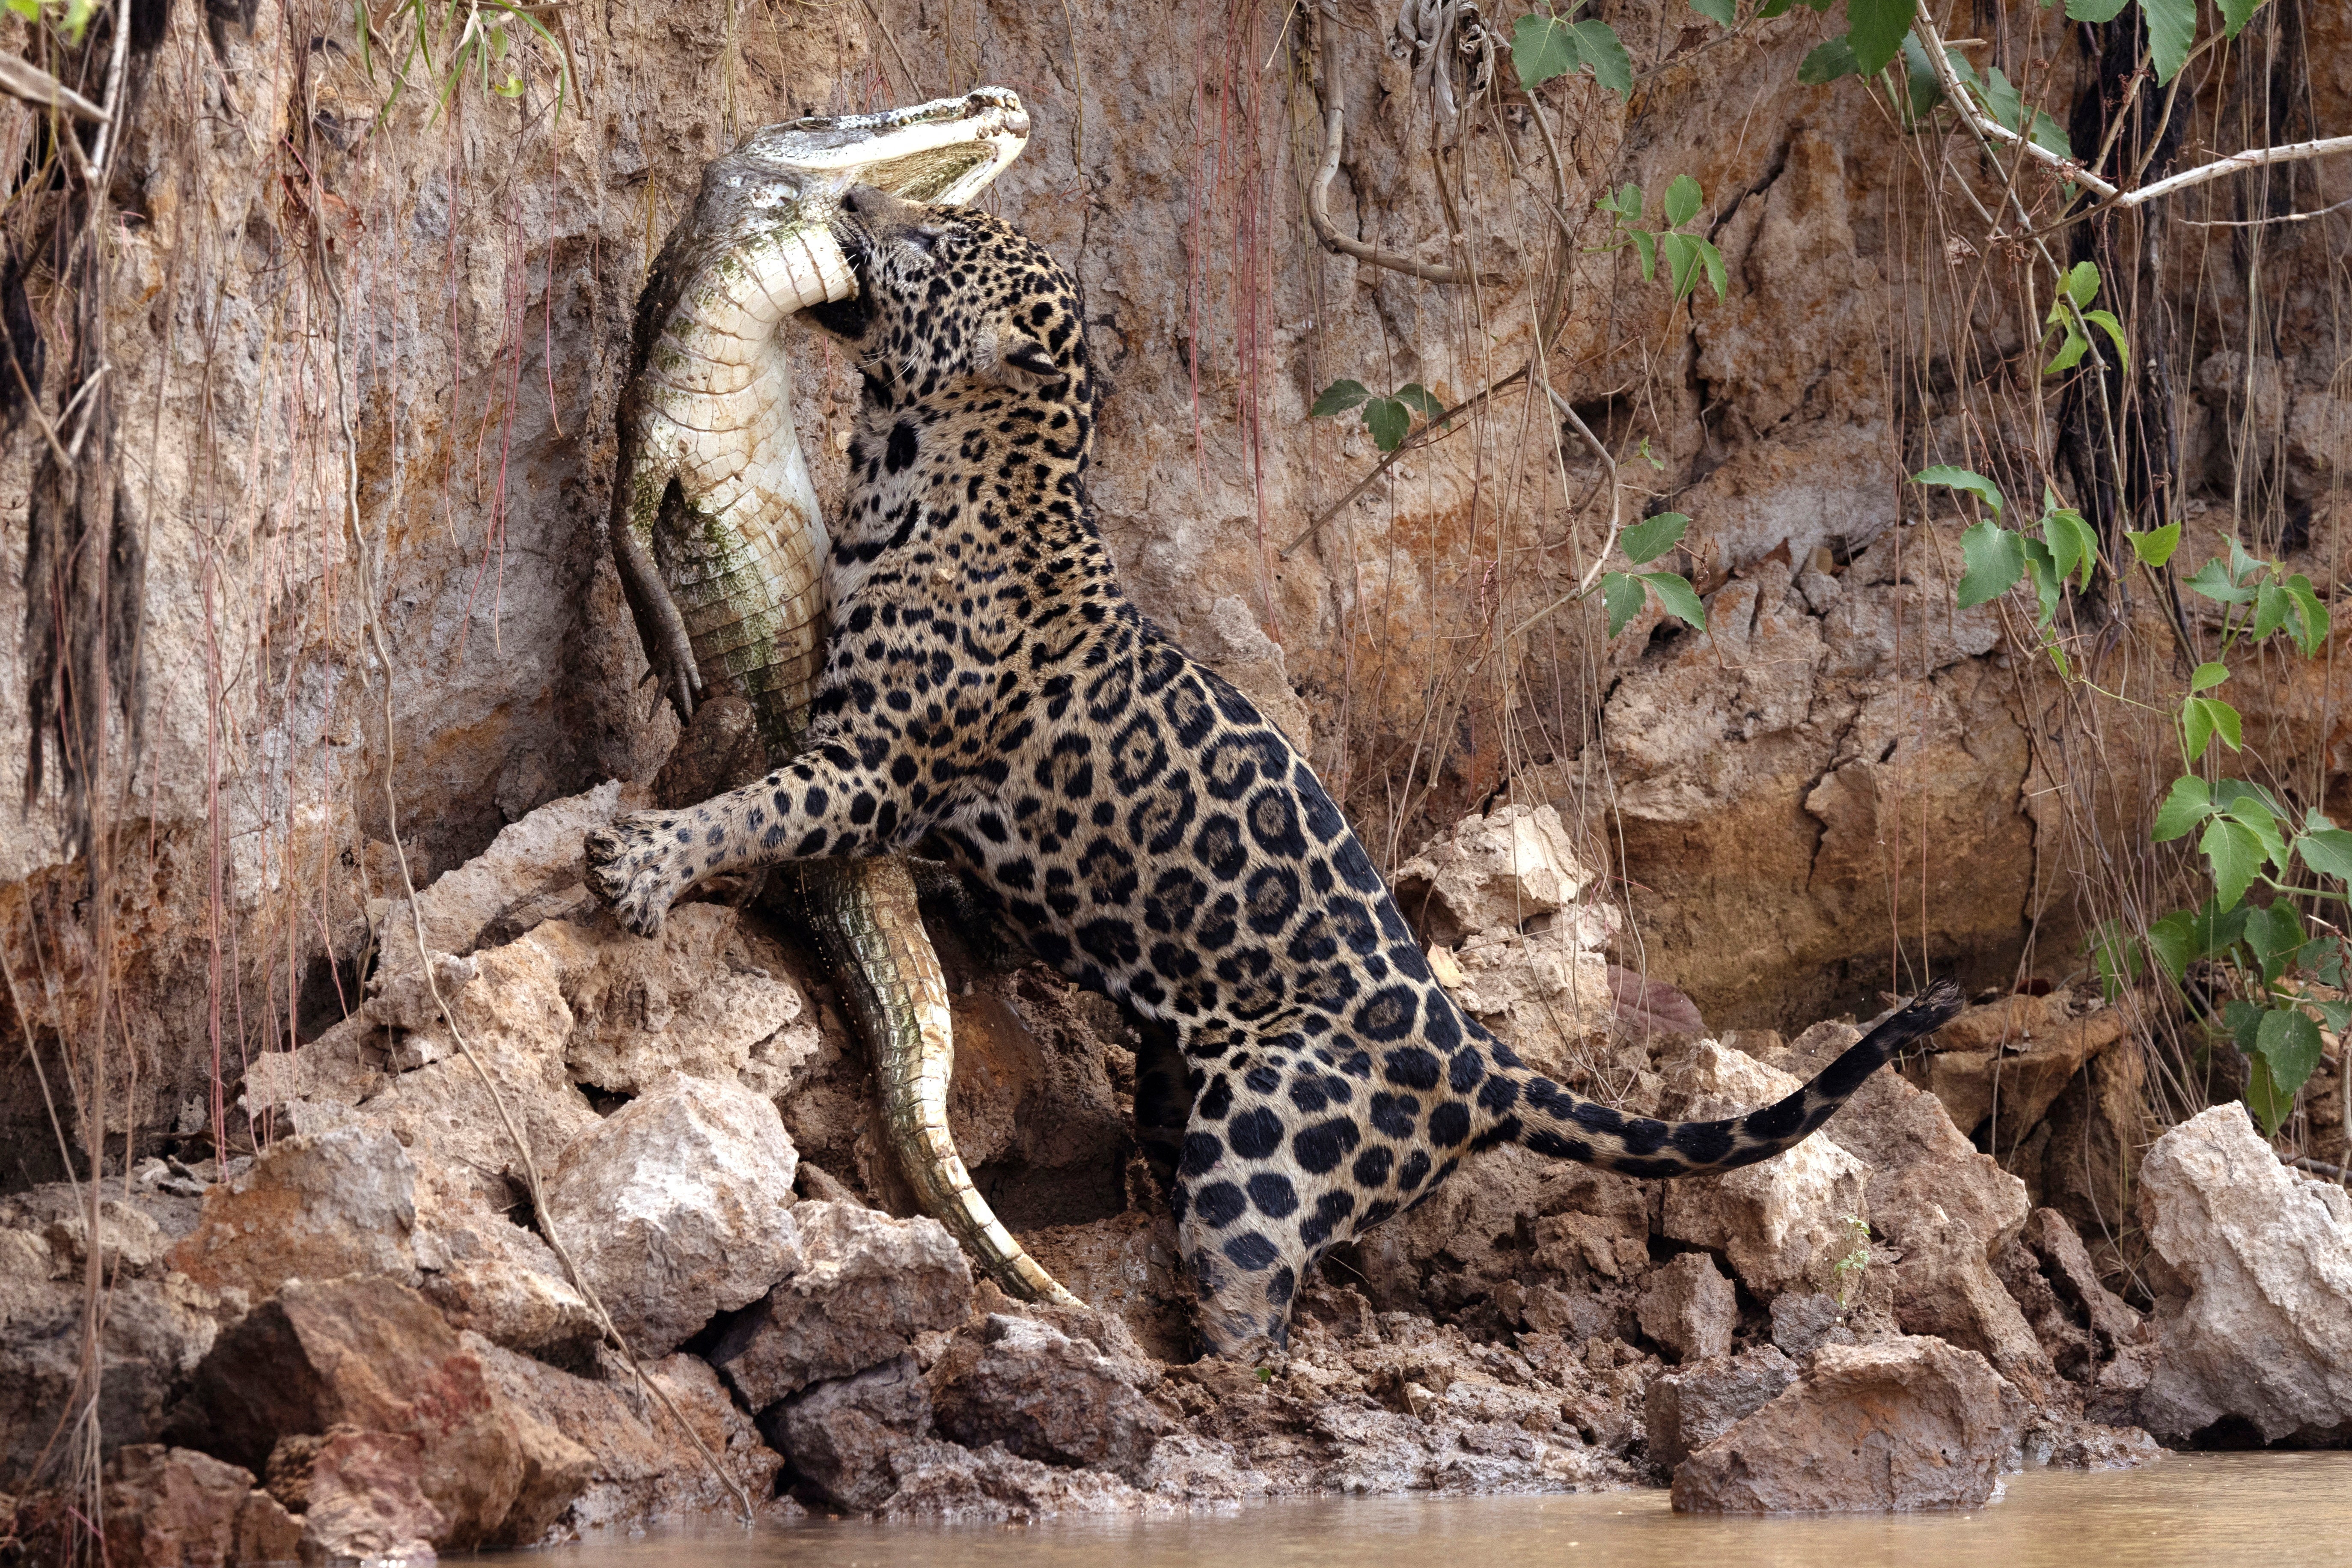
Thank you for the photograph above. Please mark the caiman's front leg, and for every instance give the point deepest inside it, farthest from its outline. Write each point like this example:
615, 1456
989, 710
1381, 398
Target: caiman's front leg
822, 803
661, 629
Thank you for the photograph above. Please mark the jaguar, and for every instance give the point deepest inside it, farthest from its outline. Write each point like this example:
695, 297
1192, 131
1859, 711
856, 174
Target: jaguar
991, 693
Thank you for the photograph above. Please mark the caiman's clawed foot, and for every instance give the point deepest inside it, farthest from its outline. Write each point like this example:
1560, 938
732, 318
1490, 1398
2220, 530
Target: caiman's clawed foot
639, 864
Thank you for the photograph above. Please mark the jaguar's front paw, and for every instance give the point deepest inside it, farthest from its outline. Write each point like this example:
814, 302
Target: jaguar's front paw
633, 866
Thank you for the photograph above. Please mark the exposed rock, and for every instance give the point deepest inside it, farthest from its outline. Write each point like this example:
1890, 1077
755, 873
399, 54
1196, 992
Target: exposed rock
1650, 1006
1802, 1322
364, 1493
2016, 1056
841, 1436
516, 1023
1494, 872
1782, 1223
859, 1286
707, 998
601, 1456
1944, 1207
529, 873
2067, 1265
2263, 1341
1547, 997
487, 1274
1684, 1411
312, 1207
675, 1208
168, 1506
1128, 1265
156, 1330
373, 1355
1907, 1423
2093, 1445
1689, 1307
1046, 1395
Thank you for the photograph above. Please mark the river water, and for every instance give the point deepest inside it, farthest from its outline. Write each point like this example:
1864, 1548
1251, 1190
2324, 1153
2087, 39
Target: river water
2206, 1510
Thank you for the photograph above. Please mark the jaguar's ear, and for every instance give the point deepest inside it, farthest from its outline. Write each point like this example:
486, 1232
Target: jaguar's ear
1029, 354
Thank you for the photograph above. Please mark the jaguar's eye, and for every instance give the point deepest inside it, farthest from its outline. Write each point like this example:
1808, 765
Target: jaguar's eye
923, 239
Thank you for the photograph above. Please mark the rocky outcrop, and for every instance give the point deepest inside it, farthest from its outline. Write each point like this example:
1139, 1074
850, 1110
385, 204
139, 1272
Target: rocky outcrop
859, 1288
675, 1208
1909, 1423
1687, 1409
1044, 1394
2256, 1338
1783, 1223
1689, 1308
312, 1207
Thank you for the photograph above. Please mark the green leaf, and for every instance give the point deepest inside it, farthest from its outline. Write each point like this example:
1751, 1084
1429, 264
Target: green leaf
1993, 559
2051, 136
1647, 541
1719, 12
2070, 352
2271, 1104
1687, 263
1628, 203
1683, 198
2071, 542
1646, 244
1388, 420
1967, 480
2203, 718
2043, 569
2329, 852
1542, 48
2000, 98
1874, 30
1826, 63
1681, 601
1771, 8
1597, 42
1623, 595
2336, 1015
2170, 939
2270, 609
2154, 547
1922, 91
2208, 676
2214, 580
2235, 854
2082, 283
2310, 615
2094, 10
1415, 395
2289, 1039
2171, 28
2256, 810
2236, 14
2276, 936
2243, 565
2106, 321
1712, 260
2183, 809
1338, 398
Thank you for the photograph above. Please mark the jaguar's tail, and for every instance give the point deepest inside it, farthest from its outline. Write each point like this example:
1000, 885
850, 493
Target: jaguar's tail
1553, 1122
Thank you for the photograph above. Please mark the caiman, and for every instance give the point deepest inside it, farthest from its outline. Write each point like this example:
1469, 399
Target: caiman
720, 543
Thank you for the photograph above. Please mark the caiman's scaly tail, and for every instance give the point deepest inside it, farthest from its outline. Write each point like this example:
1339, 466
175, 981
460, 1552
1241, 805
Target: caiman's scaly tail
1550, 1121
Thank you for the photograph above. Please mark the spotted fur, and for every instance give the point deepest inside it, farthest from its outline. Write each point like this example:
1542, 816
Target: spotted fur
989, 689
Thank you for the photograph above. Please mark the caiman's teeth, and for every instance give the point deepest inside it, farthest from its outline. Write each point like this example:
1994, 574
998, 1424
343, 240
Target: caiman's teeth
820, 271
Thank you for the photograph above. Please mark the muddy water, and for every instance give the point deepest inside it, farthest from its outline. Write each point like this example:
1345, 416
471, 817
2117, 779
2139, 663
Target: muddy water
2258, 1510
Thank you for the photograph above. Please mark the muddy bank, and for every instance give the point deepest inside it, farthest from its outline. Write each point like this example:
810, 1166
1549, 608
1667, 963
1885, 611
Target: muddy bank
361, 1340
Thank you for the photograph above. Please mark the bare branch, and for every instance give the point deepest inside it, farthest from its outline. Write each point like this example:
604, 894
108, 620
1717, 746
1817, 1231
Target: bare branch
1318, 195
22, 79
1957, 95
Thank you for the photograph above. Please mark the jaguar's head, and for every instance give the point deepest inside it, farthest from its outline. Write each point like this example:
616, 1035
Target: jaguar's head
947, 295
